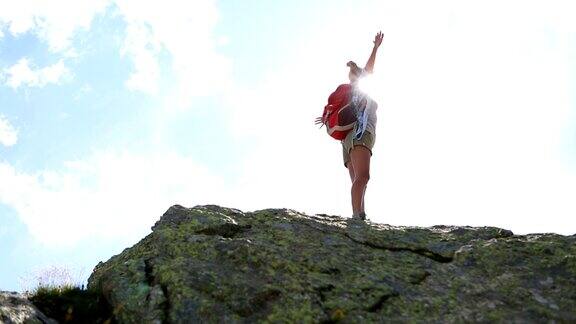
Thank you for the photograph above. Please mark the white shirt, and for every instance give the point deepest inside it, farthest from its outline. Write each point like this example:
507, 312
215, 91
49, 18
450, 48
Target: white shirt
366, 117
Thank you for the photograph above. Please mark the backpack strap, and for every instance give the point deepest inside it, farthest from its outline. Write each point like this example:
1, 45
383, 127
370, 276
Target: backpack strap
362, 122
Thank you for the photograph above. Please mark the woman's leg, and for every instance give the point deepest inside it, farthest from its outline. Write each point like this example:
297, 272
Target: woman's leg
363, 195
350, 171
360, 161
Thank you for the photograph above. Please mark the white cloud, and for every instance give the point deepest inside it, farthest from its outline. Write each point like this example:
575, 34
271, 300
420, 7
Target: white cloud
25, 74
8, 134
143, 52
185, 31
83, 91
109, 195
54, 21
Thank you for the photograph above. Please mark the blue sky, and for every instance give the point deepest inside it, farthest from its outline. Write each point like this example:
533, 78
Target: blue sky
111, 111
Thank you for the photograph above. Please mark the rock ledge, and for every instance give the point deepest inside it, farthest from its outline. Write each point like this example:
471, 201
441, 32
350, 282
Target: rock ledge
216, 264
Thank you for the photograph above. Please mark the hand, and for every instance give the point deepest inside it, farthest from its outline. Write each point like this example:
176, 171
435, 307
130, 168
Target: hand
319, 120
378, 39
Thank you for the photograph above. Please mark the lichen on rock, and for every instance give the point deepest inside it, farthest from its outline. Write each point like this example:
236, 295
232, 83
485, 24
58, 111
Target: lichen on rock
216, 264
15, 308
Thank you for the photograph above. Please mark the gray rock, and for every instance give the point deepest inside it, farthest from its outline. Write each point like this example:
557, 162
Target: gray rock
15, 308
212, 264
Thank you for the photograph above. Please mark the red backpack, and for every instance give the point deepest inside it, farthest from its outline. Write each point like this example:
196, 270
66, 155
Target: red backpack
339, 114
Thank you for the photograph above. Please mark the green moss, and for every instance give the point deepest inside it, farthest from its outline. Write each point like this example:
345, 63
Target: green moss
299, 309
216, 264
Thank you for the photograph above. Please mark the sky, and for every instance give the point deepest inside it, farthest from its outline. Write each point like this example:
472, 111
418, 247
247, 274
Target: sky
111, 111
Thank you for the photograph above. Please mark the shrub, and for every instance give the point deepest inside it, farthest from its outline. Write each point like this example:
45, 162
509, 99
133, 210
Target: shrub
60, 295
72, 305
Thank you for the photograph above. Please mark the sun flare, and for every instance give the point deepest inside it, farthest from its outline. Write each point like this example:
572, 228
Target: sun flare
371, 85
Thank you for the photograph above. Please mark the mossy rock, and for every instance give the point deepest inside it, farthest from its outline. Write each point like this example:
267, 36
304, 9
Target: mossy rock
15, 308
212, 264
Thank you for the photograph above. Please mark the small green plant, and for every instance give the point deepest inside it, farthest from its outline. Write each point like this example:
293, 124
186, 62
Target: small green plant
52, 277
61, 296
72, 305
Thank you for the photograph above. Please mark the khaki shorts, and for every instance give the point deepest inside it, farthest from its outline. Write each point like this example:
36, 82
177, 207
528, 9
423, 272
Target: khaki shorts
367, 140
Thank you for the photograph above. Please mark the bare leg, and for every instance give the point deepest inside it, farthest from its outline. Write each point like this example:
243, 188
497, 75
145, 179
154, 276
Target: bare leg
350, 171
360, 160
364, 194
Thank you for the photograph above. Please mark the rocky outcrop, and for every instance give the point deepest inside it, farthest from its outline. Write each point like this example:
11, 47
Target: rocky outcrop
15, 308
215, 264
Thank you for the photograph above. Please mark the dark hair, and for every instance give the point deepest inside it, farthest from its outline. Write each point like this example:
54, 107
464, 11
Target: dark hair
354, 68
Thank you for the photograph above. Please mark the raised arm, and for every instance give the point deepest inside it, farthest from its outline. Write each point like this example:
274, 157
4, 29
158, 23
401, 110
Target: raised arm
377, 41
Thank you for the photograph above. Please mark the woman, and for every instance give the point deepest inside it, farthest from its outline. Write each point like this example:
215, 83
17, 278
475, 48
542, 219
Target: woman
357, 146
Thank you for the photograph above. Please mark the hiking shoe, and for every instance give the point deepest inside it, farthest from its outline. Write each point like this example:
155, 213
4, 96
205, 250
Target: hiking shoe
360, 216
